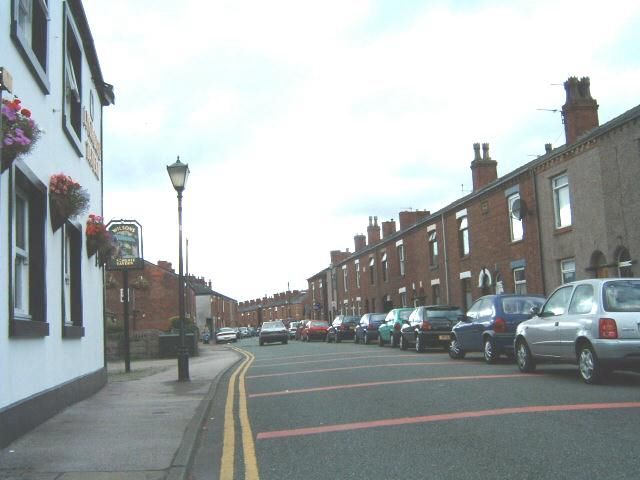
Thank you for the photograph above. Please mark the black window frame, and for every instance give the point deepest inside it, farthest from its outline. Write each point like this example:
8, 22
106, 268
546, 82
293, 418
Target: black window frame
35, 324
75, 328
37, 60
72, 51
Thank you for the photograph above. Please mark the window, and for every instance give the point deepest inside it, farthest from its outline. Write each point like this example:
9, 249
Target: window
372, 271
561, 201
403, 298
466, 293
568, 270
625, 264
357, 274
435, 294
463, 236
401, 259
72, 283
557, 303
583, 300
72, 104
433, 249
385, 268
27, 240
519, 281
29, 30
515, 223
345, 277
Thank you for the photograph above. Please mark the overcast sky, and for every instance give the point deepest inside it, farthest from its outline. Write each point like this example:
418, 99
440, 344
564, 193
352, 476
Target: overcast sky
299, 119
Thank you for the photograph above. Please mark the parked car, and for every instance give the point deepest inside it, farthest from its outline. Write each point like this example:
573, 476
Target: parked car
429, 326
299, 329
594, 323
226, 335
293, 327
314, 329
274, 331
343, 327
367, 330
389, 331
244, 332
490, 325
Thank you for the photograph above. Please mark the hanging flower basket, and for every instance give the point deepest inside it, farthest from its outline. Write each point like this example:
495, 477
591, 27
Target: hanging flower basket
19, 132
67, 199
100, 241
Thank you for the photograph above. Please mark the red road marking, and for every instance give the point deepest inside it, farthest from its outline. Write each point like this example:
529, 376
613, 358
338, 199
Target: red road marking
442, 417
392, 382
411, 364
327, 360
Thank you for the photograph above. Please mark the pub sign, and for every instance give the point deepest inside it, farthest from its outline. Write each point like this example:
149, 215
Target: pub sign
127, 236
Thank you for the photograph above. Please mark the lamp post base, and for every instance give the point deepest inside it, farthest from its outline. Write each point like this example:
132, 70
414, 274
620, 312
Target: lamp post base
183, 364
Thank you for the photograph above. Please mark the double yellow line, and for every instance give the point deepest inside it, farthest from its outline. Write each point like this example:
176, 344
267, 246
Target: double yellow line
229, 440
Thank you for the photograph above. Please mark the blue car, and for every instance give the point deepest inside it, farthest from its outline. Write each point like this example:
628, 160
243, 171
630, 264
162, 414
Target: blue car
490, 325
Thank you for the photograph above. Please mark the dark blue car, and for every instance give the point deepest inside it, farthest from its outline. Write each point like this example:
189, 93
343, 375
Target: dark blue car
490, 325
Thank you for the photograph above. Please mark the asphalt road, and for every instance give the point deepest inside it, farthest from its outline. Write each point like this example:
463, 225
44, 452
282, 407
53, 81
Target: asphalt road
345, 411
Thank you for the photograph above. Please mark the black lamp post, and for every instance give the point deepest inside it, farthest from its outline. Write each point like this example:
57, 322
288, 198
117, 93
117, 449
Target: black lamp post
178, 172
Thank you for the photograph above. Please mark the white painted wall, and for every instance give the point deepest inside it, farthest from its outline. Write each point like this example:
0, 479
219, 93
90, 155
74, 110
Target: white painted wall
33, 365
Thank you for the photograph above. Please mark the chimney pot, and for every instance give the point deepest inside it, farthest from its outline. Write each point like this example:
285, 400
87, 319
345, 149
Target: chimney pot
548, 147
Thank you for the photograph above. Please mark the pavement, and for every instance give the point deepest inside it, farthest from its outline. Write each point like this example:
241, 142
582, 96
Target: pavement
143, 425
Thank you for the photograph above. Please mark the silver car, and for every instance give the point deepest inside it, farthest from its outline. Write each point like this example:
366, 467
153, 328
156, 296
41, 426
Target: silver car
594, 323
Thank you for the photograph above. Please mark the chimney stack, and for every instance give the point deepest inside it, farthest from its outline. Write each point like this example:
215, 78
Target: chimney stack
373, 231
411, 218
388, 228
483, 170
548, 148
360, 242
580, 111
165, 265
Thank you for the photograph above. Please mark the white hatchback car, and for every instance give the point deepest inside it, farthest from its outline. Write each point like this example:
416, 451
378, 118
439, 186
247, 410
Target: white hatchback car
594, 323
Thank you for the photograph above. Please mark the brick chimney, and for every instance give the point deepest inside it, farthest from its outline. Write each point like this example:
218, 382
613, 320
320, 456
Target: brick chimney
373, 231
165, 265
411, 218
483, 169
580, 111
388, 228
360, 242
337, 256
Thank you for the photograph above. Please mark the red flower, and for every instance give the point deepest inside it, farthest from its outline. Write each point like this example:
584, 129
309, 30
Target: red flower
26, 112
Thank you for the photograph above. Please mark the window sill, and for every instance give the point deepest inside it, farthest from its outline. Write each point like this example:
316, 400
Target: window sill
72, 331
28, 329
563, 230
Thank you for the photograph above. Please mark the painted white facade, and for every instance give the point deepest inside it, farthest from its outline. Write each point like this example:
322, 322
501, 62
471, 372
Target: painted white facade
33, 364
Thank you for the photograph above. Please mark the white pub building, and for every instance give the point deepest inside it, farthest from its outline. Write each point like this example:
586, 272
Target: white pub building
51, 278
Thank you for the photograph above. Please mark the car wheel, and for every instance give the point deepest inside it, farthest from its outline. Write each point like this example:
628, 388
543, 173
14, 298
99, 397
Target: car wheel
380, 341
490, 352
524, 359
455, 350
403, 343
591, 370
419, 344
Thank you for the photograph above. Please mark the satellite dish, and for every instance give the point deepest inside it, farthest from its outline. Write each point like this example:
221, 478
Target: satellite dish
518, 209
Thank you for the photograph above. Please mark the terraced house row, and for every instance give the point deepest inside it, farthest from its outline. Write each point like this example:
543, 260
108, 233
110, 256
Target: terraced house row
571, 213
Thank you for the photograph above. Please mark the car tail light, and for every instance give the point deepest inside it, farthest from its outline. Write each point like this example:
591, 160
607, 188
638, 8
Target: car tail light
499, 325
607, 328
426, 325
397, 326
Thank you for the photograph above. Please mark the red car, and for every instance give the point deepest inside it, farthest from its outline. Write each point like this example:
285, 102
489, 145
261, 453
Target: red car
314, 329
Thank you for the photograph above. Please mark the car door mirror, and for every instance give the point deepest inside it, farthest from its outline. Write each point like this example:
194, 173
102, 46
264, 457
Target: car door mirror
534, 311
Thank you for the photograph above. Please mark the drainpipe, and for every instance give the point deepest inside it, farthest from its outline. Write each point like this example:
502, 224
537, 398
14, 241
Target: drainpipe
446, 263
540, 249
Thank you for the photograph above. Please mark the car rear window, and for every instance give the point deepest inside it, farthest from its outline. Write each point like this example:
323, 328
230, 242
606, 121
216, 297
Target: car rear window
319, 324
621, 296
404, 314
378, 318
520, 305
351, 319
448, 314
272, 325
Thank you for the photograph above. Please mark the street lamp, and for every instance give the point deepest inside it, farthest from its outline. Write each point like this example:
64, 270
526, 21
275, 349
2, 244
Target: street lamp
178, 172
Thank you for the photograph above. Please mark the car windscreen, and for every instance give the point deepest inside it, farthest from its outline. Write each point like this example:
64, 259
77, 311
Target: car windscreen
520, 305
378, 318
273, 325
621, 296
226, 330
